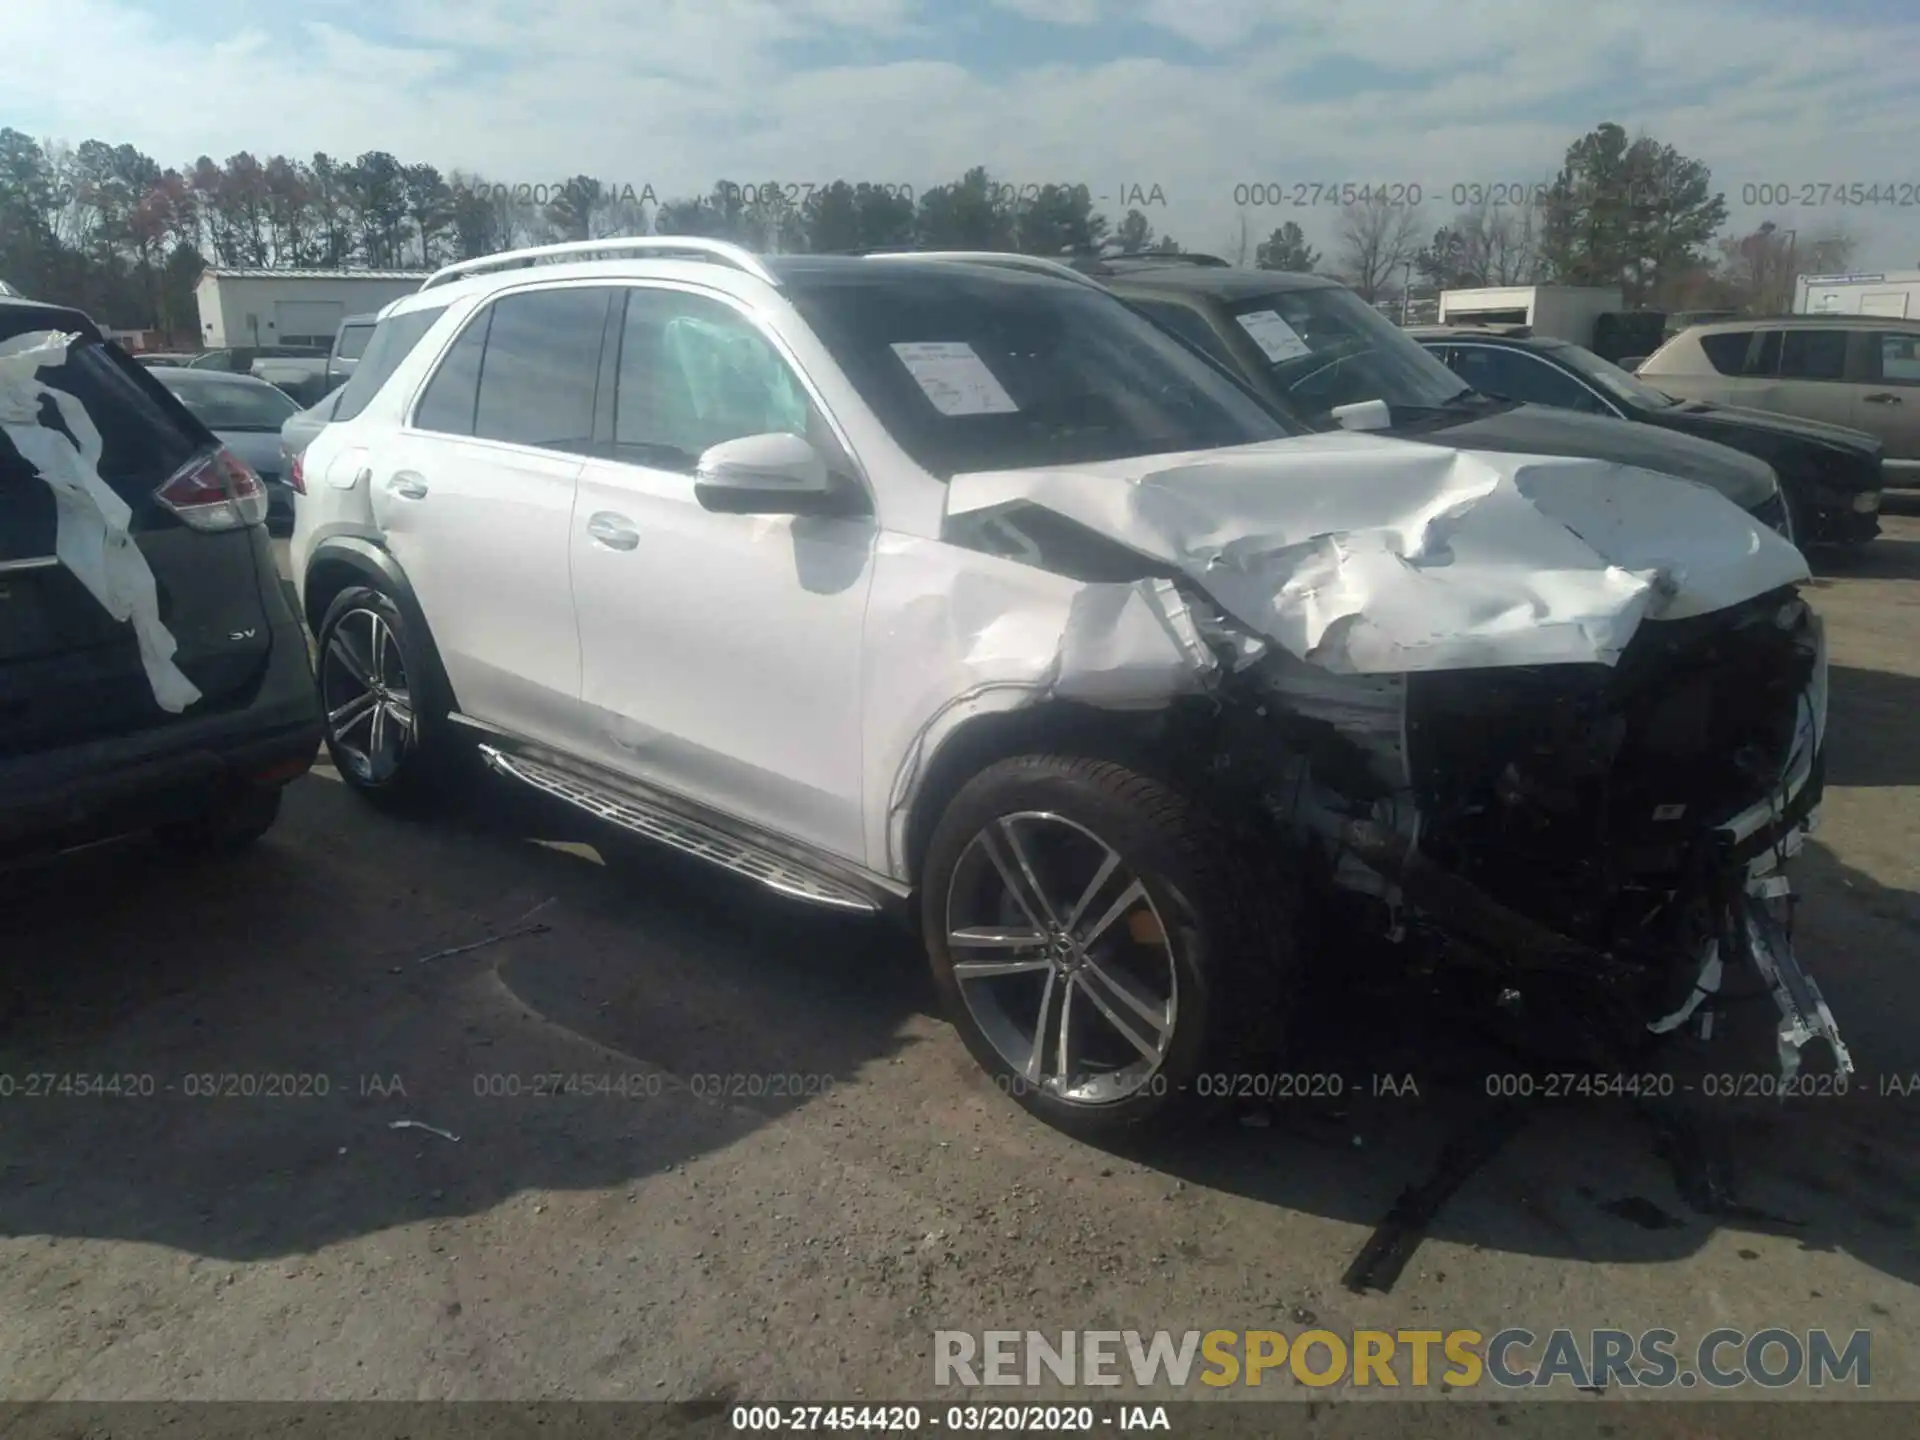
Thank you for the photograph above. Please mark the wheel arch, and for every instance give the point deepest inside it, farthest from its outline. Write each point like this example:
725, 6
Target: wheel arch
1055, 727
341, 562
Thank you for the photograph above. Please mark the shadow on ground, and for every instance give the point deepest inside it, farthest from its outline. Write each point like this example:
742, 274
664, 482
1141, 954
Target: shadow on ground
266, 1018
318, 959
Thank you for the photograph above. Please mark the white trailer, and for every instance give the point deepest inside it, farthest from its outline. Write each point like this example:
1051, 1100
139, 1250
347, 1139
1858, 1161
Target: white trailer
1893, 293
1554, 312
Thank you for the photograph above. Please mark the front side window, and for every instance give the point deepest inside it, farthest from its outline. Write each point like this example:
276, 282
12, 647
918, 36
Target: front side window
971, 369
1814, 354
1623, 385
1516, 375
1899, 357
694, 373
541, 368
393, 340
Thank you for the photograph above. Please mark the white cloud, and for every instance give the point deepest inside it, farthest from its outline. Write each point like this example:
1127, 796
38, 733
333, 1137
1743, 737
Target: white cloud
676, 93
1054, 12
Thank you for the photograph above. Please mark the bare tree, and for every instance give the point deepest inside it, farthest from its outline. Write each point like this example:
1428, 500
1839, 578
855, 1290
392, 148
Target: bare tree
1377, 241
1759, 268
1240, 246
1508, 238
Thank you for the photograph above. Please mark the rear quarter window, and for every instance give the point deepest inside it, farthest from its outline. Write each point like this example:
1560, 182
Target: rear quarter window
394, 338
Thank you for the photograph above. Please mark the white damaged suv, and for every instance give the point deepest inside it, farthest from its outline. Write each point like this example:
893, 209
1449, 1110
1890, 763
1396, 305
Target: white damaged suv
951, 583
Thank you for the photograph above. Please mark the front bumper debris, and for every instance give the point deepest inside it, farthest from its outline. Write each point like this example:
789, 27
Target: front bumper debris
1804, 1016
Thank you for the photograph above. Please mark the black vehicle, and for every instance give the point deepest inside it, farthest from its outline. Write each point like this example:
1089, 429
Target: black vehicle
163, 684
1311, 348
1831, 475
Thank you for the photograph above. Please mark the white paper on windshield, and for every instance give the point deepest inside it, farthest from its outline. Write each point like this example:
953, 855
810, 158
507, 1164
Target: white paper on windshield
955, 379
1277, 340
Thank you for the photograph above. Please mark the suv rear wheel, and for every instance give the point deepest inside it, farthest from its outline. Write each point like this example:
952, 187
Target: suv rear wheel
379, 704
1102, 942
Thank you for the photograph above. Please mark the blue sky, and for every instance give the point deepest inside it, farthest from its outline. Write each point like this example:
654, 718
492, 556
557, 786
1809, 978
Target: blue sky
1194, 96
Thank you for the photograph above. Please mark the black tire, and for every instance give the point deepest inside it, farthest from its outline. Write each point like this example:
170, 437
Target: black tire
391, 774
1220, 919
235, 820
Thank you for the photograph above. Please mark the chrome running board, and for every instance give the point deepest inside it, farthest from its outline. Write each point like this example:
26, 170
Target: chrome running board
690, 837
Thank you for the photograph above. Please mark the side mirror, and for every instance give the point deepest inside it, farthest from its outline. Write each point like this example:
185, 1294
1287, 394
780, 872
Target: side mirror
772, 474
1363, 415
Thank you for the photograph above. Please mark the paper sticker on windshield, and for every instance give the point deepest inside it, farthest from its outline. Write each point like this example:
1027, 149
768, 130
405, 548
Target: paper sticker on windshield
1277, 340
955, 379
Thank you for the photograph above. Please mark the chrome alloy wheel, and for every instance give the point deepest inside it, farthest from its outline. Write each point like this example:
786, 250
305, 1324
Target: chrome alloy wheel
1062, 958
363, 687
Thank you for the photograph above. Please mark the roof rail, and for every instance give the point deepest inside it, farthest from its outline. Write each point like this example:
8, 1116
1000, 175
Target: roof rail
1171, 257
1009, 259
724, 251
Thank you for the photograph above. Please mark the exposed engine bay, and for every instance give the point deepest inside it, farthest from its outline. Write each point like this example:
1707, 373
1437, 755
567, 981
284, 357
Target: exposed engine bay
1557, 723
1620, 830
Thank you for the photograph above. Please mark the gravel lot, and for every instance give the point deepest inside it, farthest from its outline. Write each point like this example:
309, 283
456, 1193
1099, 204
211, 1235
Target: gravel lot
674, 1243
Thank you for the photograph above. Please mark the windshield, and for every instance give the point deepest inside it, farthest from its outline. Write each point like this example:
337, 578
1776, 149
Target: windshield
1621, 384
1326, 347
1007, 372
229, 406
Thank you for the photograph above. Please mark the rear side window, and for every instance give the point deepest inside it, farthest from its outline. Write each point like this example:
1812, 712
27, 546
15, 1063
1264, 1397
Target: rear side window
1516, 375
393, 340
541, 369
1814, 354
453, 395
353, 341
1727, 351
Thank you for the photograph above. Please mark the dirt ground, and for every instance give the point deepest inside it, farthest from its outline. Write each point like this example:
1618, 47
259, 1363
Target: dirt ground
799, 1232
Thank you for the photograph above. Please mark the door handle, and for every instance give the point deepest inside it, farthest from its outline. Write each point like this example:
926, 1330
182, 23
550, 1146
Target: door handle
407, 485
616, 532
1883, 398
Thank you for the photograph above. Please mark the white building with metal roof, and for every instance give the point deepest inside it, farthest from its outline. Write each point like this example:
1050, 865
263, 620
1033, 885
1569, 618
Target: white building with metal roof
291, 307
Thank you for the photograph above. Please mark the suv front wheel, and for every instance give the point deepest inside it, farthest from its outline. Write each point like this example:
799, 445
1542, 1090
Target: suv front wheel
1107, 948
378, 700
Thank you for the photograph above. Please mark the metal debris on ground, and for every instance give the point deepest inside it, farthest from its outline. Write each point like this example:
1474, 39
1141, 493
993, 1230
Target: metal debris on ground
421, 1125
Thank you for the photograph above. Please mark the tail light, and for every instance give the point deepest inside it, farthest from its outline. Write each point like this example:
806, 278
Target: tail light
216, 492
296, 474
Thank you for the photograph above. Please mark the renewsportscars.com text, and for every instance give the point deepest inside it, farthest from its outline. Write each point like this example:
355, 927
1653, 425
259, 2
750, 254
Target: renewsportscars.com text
1460, 1359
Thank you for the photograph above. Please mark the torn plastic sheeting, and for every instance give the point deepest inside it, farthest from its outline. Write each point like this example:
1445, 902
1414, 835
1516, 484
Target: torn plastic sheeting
1366, 554
92, 539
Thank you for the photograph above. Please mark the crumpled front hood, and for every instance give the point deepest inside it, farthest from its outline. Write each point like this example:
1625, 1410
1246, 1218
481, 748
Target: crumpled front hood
1371, 555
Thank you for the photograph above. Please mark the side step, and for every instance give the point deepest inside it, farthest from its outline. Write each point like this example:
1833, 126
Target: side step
685, 835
